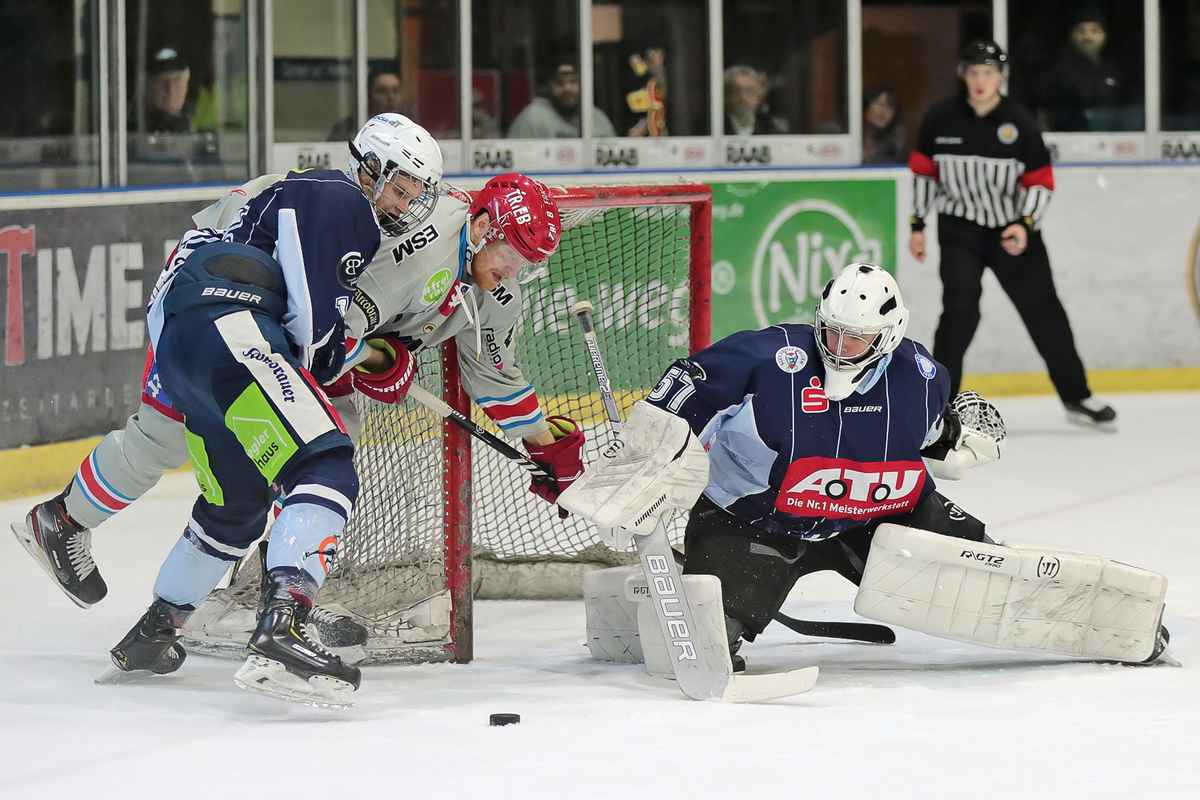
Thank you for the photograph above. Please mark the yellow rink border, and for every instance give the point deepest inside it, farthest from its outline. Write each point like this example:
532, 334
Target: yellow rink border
45, 469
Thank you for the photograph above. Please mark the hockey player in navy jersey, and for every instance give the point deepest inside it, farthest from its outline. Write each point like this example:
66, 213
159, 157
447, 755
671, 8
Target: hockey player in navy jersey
245, 323
791, 446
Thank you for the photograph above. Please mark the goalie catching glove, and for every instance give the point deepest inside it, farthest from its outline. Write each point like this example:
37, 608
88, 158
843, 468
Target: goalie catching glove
561, 459
661, 466
971, 434
391, 385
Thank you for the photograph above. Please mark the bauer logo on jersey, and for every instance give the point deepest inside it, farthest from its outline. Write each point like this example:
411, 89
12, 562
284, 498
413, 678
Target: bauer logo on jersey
925, 366
838, 488
791, 359
1007, 133
349, 268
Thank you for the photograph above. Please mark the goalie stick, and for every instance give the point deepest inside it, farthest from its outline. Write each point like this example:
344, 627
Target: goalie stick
702, 665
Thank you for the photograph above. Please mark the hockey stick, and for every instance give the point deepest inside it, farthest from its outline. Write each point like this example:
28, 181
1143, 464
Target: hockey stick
443, 410
702, 666
854, 631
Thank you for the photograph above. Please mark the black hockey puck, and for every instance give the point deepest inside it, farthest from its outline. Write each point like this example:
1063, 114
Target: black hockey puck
504, 719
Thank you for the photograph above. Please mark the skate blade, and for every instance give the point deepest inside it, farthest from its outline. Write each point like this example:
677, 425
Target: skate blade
1084, 421
118, 677
29, 542
271, 678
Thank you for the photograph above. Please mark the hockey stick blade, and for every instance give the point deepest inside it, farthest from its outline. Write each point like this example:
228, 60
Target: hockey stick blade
702, 665
853, 631
769, 686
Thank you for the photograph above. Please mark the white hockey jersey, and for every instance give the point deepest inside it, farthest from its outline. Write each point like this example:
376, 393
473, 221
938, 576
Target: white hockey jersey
417, 288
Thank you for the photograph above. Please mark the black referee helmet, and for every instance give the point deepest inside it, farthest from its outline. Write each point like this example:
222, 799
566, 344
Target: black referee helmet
984, 51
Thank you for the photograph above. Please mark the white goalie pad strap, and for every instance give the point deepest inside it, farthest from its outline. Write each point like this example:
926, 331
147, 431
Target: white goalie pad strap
1017, 598
660, 466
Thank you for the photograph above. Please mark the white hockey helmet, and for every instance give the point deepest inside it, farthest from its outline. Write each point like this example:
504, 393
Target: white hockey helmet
389, 149
860, 319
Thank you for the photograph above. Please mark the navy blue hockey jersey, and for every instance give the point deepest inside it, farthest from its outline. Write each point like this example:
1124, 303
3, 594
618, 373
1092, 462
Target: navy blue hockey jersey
320, 228
782, 455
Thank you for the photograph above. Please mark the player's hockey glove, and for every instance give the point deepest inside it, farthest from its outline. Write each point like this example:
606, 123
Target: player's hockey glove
391, 385
561, 459
328, 361
343, 386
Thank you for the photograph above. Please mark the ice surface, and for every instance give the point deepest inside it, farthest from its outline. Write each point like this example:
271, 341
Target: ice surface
924, 718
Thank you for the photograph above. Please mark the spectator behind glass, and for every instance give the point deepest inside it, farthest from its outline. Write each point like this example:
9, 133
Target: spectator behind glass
385, 95
883, 135
1082, 91
746, 111
167, 77
554, 113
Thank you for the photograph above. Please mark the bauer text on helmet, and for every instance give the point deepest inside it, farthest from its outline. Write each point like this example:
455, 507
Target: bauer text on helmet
399, 166
861, 319
523, 220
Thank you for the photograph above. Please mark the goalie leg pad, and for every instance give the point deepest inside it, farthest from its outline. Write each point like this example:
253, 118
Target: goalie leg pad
622, 627
1016, 598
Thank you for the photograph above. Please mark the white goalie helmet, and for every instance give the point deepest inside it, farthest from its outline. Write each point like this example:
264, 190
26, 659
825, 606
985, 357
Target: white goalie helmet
392, 149
860, 319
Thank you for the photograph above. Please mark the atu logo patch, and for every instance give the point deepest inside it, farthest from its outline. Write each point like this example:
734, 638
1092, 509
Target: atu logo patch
839, 488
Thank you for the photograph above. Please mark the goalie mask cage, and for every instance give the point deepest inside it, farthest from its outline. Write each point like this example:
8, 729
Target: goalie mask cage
442, 518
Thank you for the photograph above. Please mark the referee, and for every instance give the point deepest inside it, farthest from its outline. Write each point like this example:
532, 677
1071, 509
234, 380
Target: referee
981, 162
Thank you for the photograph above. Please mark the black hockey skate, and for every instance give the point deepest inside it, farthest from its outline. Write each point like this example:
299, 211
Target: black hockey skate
1093, 413
152, 645
63, 548
284, 660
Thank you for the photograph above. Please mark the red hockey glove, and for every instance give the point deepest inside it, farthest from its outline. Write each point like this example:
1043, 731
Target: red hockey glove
561, 459
391, 385
341, 387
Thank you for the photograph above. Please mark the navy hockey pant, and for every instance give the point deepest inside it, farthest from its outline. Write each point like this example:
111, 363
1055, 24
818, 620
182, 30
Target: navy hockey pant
254, 418
967, 249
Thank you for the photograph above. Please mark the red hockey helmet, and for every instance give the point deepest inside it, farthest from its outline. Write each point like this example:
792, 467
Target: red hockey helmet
522, 213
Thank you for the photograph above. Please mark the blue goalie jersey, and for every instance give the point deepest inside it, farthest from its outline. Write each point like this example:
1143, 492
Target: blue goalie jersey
786, 458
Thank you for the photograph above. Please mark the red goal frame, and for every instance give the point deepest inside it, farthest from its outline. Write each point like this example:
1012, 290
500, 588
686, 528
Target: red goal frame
456, 443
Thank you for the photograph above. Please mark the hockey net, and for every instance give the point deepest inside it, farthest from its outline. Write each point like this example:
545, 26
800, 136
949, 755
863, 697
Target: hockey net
442, 518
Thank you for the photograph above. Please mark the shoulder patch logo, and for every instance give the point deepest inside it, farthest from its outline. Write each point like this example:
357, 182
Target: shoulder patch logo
790, 359
1007, 133
437, 285
349, 268
925, 366
369, 309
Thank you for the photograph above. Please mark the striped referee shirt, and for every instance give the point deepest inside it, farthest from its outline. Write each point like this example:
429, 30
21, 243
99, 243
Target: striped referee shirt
991, 170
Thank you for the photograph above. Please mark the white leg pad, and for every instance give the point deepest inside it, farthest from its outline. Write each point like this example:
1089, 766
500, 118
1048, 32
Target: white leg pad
622, 626
708, 610
1016, 598
612, 619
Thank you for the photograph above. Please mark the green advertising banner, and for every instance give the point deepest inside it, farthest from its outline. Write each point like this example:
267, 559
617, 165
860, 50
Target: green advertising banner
776, 244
